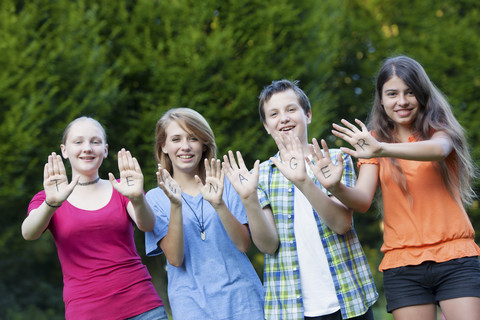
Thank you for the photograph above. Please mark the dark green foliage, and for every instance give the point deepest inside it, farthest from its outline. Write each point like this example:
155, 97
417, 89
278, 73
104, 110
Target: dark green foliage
126, 62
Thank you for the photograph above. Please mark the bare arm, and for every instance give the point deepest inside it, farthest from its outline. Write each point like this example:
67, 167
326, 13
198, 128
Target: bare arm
173, 244
329, 175
260, 221
438, 147
131, 186
57, 190
336, 216
212, 191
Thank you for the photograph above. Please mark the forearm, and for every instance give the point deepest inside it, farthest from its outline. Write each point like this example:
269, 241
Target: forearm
173, 244
428, 150
354, 198
336, 215
237, 232
144, 217
37, 221
262, 225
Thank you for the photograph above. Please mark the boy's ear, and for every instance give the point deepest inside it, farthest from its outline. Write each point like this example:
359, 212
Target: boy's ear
309, 116
266, 128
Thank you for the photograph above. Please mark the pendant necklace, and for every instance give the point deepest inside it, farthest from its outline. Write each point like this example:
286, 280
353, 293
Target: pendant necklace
201, 225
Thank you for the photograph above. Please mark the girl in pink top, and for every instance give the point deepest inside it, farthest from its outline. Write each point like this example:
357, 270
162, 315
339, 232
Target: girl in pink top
417, 150
92, 223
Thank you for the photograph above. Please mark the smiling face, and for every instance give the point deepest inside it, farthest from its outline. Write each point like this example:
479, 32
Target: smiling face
285, 116
184, 149
85, 147
399, 102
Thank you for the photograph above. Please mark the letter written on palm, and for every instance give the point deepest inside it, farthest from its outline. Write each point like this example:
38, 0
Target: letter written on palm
244, 181
55, 181
292, 164
366, 146
328, 173
212, 190
169, 186
131, 177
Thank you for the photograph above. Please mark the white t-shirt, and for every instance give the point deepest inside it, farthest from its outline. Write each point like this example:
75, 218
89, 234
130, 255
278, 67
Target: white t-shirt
318, 290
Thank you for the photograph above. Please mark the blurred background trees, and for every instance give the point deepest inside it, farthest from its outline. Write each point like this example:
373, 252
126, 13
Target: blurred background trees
126, 62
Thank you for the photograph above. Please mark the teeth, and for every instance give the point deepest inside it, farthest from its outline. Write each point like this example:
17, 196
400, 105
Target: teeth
286, 129
186, 157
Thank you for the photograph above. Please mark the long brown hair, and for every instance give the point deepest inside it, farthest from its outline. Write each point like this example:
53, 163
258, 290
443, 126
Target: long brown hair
435, 114
192, 122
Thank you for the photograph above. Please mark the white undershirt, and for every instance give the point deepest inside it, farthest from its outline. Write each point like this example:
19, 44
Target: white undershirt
318, 290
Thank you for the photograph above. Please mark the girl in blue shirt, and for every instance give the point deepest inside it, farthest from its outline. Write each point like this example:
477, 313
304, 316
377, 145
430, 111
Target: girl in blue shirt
201, 225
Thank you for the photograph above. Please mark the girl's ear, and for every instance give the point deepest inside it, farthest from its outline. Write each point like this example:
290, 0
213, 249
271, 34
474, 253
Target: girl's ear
105, 152
64, 151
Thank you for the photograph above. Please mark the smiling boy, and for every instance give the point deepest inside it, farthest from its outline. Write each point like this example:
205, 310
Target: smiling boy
315, 267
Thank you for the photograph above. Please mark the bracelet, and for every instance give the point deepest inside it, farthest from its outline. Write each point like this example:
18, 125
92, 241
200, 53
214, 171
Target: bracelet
51, 205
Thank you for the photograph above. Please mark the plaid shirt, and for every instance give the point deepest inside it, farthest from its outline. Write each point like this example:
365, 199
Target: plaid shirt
349, 268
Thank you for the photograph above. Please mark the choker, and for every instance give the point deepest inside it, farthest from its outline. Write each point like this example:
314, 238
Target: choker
202, 224
89, 182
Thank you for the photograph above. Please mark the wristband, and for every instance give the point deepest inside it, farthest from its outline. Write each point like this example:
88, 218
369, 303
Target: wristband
51, 205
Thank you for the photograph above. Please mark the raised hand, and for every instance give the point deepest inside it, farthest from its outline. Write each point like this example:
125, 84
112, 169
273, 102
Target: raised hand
131, 177
169, 185
292, 164
366, 146
55, 181
327, 173
212, 190
244, 182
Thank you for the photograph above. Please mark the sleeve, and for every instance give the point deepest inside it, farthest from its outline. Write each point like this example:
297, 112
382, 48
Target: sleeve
262, 186
234, 203
36, 201
160, 205
349, 178
367, 161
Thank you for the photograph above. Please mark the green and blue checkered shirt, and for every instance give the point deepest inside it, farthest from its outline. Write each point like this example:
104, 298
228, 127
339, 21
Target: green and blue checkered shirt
348, 264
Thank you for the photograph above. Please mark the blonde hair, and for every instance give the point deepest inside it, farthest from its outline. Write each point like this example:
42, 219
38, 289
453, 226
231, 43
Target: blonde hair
194, 124
83, 118
435, 114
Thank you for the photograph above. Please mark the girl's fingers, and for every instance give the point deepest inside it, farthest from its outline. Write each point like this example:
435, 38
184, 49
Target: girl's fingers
61, 167
136, 166
121, 160
218, 168
130, 161
232, 162
46, 174
351, 126
241, 163
362, 125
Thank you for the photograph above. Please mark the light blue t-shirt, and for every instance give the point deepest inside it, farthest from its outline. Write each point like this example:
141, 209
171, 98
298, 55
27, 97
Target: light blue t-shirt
216, 280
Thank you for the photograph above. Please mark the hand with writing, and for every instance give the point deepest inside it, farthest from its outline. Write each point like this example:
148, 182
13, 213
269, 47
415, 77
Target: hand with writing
327, 173
55, 181
131, 177
244, 182
212, 190
292, 163
169, 186
366, 146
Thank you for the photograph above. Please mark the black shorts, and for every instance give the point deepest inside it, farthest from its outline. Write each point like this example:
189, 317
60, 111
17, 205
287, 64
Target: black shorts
431, 282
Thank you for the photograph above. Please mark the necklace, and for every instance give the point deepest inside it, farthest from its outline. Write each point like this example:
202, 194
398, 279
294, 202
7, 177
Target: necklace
201, 225
89, 182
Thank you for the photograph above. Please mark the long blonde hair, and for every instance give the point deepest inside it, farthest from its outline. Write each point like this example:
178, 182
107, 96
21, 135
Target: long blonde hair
192, 122
435, 114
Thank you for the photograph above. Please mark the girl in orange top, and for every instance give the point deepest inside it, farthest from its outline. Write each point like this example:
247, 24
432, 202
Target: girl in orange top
418, 152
